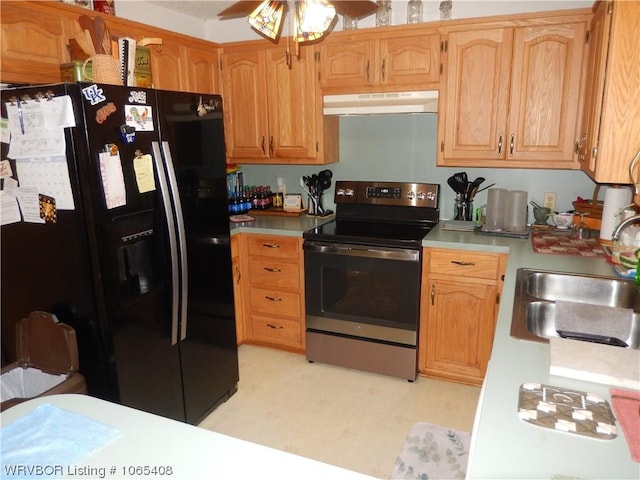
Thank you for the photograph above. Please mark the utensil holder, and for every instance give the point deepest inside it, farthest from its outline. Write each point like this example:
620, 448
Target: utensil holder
463, 209
315, 205
104, 69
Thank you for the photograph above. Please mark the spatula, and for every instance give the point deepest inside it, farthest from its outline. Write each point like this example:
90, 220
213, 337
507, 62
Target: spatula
98, 31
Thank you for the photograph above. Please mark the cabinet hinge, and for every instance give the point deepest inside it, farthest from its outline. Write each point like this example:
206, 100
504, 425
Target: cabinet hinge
587, 35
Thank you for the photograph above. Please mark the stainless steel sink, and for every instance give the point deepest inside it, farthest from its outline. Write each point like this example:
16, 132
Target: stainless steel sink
538, 290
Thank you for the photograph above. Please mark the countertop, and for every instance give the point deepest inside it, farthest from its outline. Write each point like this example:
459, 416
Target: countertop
503, 446
181, 451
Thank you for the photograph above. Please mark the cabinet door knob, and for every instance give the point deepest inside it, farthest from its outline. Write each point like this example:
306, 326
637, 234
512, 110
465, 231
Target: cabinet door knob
433, 294
271, 145
383, 69
499, 144
368, 70
511, 145
263, 150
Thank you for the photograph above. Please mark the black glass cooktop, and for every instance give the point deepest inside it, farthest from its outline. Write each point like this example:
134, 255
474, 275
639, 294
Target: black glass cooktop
370, 233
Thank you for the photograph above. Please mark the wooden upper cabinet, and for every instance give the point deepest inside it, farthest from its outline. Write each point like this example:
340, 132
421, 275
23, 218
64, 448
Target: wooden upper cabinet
244, 92
610, 133
545, 94
292, 103
34, 43
168, 67
273, 110
379, 62
512, 97
475, 112
203, 70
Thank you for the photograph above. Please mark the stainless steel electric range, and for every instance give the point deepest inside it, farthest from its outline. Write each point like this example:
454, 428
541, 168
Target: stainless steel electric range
362, 276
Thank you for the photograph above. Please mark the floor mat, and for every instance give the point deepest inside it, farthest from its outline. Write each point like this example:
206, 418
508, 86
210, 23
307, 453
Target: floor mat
433, 452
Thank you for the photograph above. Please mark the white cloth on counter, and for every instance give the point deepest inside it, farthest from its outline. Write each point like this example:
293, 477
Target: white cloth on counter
50, 436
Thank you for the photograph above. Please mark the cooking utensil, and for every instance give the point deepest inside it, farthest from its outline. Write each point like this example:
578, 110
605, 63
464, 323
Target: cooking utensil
472, 187
98, 30
84, 43
90, 44
454, 184
86, 23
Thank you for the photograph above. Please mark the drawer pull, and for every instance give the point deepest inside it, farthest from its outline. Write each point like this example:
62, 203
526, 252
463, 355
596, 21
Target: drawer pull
272, 269
271, 245
273, 299
433, 294
464, 264
275, 327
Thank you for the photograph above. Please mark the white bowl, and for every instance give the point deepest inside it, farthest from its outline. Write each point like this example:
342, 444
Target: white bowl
563, 220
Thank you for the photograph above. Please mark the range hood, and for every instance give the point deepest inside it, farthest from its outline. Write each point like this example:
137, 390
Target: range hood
380, 103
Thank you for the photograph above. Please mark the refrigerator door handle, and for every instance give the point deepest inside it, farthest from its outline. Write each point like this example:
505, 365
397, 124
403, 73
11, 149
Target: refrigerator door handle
182, 238
173, 241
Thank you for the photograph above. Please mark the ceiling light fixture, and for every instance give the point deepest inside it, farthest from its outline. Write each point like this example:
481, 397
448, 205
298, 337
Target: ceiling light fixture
312, 18
267, 18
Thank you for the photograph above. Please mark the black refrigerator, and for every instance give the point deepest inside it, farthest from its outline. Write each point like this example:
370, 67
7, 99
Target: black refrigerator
132, 246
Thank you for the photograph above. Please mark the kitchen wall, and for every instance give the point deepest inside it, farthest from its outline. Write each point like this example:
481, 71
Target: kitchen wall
403, 148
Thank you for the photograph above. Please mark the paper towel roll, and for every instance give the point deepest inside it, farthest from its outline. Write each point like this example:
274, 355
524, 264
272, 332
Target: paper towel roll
615, 199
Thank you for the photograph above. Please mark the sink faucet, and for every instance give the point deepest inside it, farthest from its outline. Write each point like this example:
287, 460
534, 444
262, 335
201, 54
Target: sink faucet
624, 224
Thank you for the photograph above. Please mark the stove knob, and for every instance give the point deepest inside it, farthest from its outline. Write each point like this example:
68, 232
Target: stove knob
431, 196
411, 195
340, 192
421, 195
349, 192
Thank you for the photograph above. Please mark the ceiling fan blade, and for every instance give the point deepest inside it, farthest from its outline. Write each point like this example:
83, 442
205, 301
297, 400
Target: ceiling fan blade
355, 8
239, 9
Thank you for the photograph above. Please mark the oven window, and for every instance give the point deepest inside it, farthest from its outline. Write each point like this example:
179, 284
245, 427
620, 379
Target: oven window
374, 291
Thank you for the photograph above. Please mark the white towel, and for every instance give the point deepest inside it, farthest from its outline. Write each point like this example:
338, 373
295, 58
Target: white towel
594, 319
50, 436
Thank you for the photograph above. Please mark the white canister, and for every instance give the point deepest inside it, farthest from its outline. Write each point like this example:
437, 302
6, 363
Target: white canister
515, 215
496, 198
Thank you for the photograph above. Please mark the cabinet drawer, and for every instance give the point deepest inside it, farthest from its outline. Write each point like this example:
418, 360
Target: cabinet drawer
274, 302
274, 246
274, 274
279, 331
464, 264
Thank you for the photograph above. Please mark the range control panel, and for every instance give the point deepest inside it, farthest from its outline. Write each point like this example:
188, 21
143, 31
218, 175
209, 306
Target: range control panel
387, 193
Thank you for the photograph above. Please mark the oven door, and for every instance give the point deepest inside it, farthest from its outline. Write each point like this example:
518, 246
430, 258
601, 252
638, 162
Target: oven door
363, 291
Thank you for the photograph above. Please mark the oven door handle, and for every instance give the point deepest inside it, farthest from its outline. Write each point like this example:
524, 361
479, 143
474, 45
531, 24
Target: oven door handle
405, 254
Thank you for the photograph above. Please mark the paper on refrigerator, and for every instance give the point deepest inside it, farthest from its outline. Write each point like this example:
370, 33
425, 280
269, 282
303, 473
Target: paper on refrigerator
112, 180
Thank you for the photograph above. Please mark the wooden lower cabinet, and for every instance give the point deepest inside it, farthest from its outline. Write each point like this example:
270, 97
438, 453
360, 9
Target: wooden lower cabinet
460, 298
272, 285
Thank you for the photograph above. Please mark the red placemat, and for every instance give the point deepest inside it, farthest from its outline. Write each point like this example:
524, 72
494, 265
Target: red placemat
560, 243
